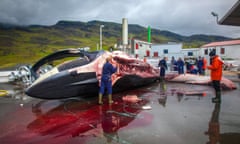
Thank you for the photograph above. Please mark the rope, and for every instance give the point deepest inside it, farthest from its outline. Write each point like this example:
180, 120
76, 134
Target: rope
3, 92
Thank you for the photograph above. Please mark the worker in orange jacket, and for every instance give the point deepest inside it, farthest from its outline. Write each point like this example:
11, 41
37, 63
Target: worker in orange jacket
216, 74
204, 65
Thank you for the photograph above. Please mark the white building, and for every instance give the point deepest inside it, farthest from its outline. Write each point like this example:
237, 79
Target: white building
191, 52
225, 49
140, 49
167, 50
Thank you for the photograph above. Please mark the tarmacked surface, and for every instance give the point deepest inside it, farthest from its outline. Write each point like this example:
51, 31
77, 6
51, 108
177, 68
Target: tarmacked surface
173, 113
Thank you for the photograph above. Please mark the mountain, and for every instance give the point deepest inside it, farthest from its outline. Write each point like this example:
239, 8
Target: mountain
35, 41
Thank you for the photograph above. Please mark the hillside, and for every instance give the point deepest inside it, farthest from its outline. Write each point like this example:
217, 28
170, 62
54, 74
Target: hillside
27, 44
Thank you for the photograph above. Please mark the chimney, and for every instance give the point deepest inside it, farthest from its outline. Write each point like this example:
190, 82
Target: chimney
124, 32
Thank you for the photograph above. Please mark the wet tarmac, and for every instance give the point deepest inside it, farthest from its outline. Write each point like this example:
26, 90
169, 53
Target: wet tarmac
168, 113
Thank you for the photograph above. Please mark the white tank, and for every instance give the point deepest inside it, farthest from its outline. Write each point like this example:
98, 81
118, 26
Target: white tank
124, 31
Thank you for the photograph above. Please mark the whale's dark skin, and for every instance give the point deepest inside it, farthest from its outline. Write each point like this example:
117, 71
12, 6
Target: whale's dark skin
80, 77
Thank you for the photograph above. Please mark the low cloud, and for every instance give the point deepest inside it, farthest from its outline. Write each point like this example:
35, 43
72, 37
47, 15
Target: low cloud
186, 17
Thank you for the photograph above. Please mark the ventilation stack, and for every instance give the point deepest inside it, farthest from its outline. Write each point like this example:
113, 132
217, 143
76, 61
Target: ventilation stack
124, 34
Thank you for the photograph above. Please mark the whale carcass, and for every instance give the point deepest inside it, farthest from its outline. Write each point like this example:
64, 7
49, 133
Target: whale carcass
226, 84
80, 77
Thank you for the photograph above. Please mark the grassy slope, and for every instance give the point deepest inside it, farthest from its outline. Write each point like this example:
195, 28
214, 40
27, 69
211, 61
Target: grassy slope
26, 45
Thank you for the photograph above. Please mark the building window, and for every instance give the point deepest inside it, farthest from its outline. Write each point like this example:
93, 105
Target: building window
222, 51
190, 54
147, 53
136, 45
155, 54
206, 51
165, 51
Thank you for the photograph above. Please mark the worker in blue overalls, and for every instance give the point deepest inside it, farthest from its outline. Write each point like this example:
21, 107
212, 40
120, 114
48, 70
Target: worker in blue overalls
180, 64
163, 67
106, 81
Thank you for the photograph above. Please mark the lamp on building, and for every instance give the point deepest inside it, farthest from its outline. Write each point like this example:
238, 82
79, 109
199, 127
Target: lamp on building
101, 26
215, 15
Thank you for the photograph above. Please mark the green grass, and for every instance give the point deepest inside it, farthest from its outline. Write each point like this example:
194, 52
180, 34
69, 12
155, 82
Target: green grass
29, 44
23, 47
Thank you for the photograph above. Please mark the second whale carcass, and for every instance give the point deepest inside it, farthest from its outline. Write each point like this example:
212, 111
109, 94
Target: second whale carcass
80, 77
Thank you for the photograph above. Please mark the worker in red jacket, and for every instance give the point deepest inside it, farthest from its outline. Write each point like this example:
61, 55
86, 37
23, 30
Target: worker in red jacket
216, 74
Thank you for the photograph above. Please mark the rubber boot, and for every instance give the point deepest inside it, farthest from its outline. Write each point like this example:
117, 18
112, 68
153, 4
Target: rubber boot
110, 101
217, 99
100, 99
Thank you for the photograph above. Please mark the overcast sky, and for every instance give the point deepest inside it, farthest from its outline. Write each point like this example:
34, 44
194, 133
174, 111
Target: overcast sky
185, 17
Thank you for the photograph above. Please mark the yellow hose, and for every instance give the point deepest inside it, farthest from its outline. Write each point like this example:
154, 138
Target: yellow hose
3, 92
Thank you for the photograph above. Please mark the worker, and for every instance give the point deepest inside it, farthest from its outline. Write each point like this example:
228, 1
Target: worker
193, 69
173, 64
180, 65
200, 65
163, 67
106, 81
204, 65
216, 74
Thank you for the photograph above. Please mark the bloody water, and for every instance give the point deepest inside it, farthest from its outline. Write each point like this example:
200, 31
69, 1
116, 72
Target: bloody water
167, 113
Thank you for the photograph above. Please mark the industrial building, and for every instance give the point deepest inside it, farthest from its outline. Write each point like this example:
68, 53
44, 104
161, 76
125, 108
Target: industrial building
167, 50
140, 49
225, 49
153, 52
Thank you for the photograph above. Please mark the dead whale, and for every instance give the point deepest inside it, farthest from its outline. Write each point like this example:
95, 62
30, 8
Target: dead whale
80, 77
199, 79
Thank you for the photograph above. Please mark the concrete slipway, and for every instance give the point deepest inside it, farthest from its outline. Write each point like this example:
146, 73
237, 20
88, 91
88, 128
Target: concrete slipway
163, 116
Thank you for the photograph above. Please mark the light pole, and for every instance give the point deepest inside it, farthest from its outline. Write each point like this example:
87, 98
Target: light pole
101, 26
215, 15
